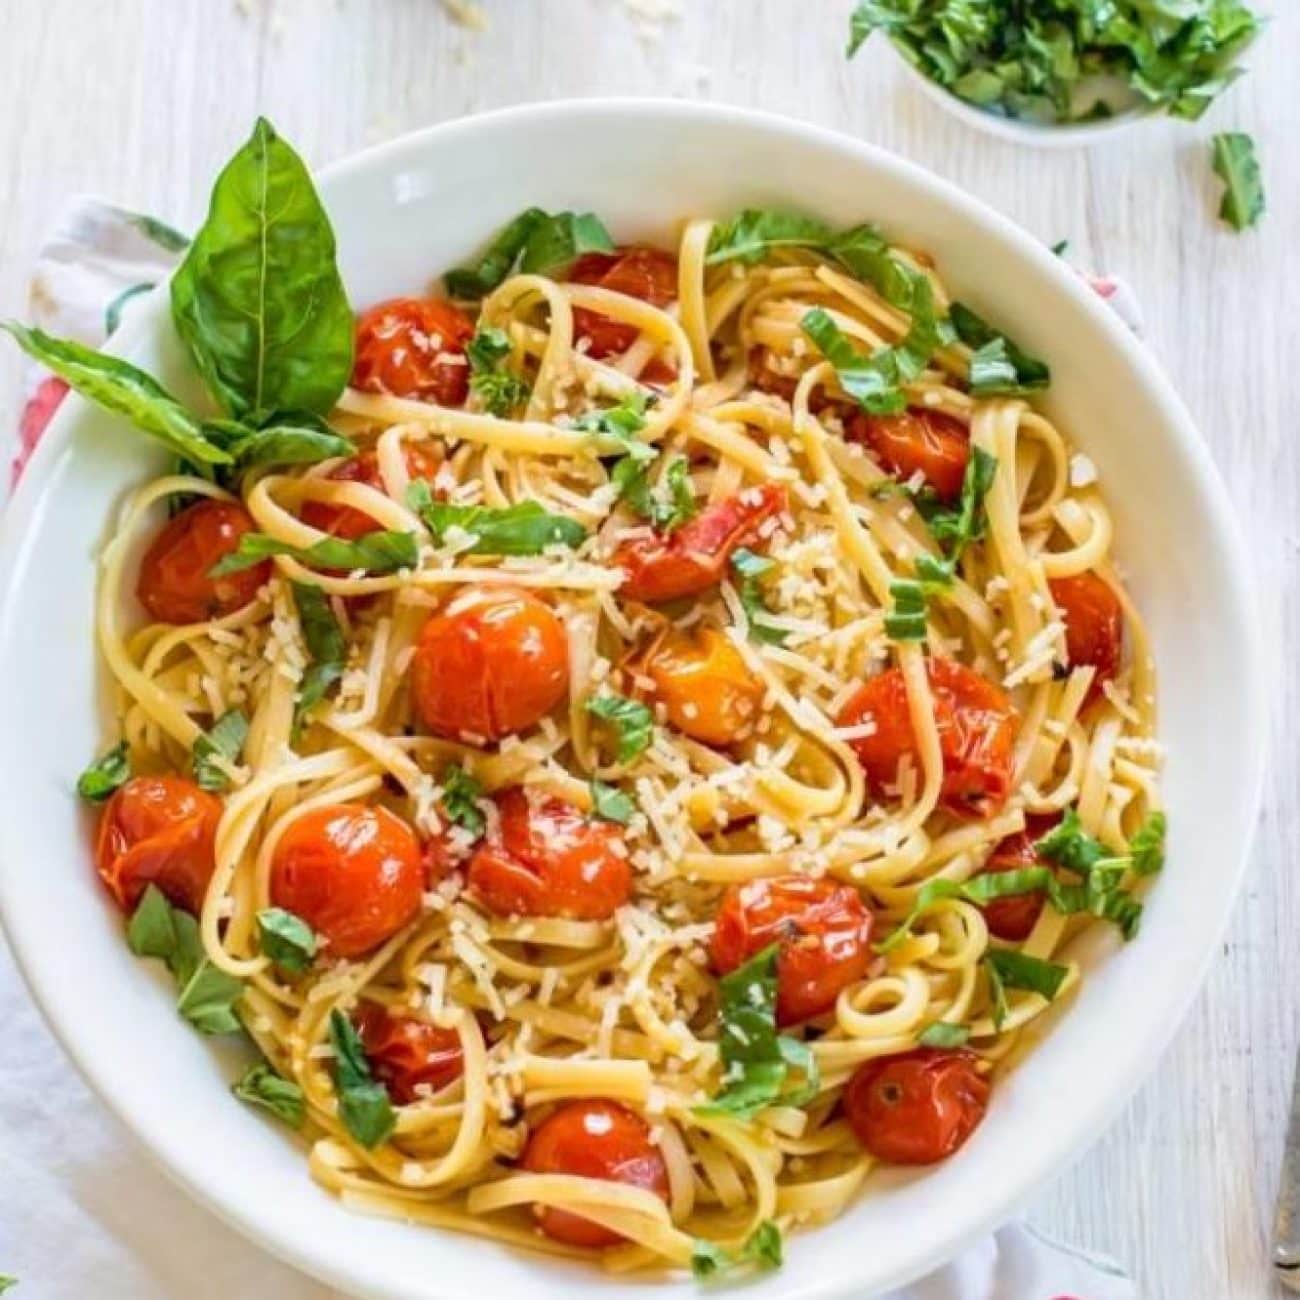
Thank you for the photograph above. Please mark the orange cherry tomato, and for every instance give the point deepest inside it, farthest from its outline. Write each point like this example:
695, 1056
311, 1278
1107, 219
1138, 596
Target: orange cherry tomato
695, 557
1094, 625
824, 932
348, 522
494, 661
353, 872
639, 272
406, 1054
1015, 915
414, 347
546, 858
977, 732
703, 682
917, 1108
917, 439
158, 830
175, 583
593, 1139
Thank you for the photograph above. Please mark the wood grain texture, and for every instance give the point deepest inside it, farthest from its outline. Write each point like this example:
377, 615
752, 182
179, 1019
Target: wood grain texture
140, 100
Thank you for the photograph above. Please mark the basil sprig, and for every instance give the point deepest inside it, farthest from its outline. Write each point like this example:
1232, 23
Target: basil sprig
631, 721
1235, 164
499, 390
522, 529
460, 796
756, 1060
610, 804
286, 939
223, 740
326, 647
750, 568
381, 551
364, 1105
535, 241
762, 1250
998, 366
261, 1086
105, 775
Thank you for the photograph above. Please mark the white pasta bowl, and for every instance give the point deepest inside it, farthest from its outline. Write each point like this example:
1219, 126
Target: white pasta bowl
403, 212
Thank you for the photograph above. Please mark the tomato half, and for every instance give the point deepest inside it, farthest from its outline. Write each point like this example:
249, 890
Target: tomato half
175, 583
348, 522
406, 1054
695, 557
158, 830
977, 732
824, 932
494, 661
593, 1139
704, 684
414, 347
639, 272
1014, 916
352, 871
545, 858
917, 1108
915, 440
1094, 625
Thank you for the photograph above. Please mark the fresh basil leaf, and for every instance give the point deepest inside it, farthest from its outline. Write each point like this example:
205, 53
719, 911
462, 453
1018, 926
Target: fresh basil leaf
999, 366
460, 796
106, 774
498, 389
558, 240
326, 646
763, 1249
479, 279
750, 568
1236, 165
870, 380
632, 722
610, 804
224, 739
522, 529
258, 300
680, 507
622, 424
150, 932
1147, 847
123, 389
208, 1000
364, 1105
286, 939
288, 444
943, 1034
261, 1086
113, 312
1018, 970
378, 552
752, 235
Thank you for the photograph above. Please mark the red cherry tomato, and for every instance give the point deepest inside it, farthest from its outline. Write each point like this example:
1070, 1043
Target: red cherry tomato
1015, 915
639, 272
593, 1139
695, 557
406, 1053
977, 732
547, 859
1094, 625
918, 1108
705, 685
346, 521
494, 661
158, 830
351, 871
174, 583
414, 347
917, 439
823, 929
765, 376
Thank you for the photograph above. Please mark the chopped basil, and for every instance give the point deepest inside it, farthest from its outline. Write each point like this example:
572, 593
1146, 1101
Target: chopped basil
326, 647
1147, 847
522, 529
750, 567
632, 722
680, 506
223, 740
378, 552
943, 1034
610, 804
998, 365
621, 424
499, 390
906, 620
762, 1250
871, 380
261, 1086
460, 796
955, 527
1069, 846
1009, 969
150, 932
286, 939
752, 234
106, 774
478, 280
1236, 165
364, 1105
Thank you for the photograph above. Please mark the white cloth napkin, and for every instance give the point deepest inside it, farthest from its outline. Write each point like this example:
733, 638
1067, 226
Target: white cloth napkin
84, 1215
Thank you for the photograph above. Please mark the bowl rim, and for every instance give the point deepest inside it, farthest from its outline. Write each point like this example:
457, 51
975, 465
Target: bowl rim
320, 1259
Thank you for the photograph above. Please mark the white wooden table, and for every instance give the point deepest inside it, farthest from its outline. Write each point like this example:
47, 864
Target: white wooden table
141, 100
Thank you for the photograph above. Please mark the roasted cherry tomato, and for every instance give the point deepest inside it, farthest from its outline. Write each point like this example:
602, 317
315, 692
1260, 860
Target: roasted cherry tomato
917, 439
175, 583
824, 932
703, 682
1094, 625
917, 1108
645, 273
407, 1053
493, 661
158, 830
767, 378
593, 1139
695, 557
977, 732
346, 521
352, 871
545, 858
1015, 915
414, 347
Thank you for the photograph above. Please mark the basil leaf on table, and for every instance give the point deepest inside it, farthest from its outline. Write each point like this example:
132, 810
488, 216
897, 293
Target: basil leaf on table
224, 739
258, 300
522, 529
105, 775
364, 1105
1235, 164
326, 646
632, 722
379, 552
286, 939
261, 1086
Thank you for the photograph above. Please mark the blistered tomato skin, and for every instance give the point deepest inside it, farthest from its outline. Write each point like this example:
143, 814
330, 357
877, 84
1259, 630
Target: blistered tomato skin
409, 1056
705, 686
414, 347
638, 272
977, 731
935, 445
917, 1108
1094, 625
158, 830
348, 523
545, 858
823, 929
353, 872
593, 1139
494, 661
175, 583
